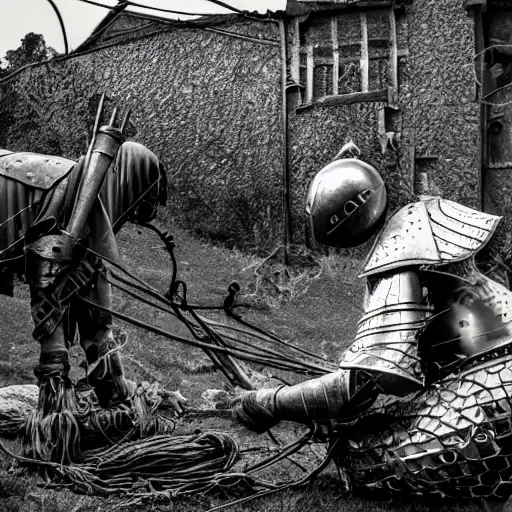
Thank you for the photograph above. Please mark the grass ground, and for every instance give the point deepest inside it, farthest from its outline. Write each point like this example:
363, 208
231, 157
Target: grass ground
322, 319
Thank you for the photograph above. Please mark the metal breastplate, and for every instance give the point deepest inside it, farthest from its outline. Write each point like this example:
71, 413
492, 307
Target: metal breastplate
386, 340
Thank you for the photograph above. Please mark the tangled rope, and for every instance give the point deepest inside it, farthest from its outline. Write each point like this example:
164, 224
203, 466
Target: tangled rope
169, 466
128, 450
204, 331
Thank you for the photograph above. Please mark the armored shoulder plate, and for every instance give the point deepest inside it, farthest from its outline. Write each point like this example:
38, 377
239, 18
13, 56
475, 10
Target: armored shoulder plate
386, 341
33, 170
430, 232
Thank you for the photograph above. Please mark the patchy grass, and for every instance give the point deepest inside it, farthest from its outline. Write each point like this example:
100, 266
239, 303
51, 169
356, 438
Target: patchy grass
322, 317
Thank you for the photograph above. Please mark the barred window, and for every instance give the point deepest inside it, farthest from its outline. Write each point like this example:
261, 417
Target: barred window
345, 57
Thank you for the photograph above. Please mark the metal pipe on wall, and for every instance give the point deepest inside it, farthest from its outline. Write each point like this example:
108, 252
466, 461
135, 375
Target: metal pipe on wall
476, 9
287, 218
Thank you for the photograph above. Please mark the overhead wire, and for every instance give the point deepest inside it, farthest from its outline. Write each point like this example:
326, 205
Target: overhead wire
62, 26
170, 23
184, 13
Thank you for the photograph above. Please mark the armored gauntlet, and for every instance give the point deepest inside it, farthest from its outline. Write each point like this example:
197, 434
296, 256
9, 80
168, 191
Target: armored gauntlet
321, 400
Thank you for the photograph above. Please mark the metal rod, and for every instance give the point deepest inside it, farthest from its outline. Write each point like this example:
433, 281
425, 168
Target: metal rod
286, 169
479, 39
113, 117
335, 56
125, 119
97, 121
364, 63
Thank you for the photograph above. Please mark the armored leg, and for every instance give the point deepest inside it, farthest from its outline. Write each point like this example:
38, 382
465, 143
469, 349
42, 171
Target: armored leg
53, 357
336, 396
106, 374
47, 259
53, 432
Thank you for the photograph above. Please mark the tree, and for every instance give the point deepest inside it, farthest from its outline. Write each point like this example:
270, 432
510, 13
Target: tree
33, 48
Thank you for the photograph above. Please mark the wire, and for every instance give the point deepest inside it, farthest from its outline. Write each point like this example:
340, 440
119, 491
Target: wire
97, 4
226, 6
62, 26
172, 11
160, 9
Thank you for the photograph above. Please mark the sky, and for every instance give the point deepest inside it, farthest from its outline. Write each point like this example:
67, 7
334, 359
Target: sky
22, 16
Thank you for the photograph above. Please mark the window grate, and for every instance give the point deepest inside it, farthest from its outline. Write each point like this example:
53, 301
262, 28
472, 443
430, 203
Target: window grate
345, 58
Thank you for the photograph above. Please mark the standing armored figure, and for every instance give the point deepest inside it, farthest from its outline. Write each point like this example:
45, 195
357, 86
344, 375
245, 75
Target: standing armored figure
428, 311
60, 216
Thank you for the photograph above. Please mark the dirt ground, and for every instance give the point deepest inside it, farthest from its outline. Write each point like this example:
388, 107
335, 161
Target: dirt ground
320, 313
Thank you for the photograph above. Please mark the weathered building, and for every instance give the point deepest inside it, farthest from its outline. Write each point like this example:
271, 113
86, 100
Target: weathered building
398, 78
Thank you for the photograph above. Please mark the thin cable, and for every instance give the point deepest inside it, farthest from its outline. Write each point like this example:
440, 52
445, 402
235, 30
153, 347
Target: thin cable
226, 6
62, 26
97, 4
144, 287
262, 350
243, 354
184, 13
171, 11
268, 338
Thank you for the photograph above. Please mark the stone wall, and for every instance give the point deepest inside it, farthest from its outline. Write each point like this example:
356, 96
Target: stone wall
209, 105
441, 114
439, 118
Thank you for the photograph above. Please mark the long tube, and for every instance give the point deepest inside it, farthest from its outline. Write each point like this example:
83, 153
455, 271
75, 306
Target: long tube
287, 221
107, 143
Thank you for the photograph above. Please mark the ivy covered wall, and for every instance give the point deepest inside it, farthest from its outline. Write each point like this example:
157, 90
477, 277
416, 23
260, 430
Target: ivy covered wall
209, 105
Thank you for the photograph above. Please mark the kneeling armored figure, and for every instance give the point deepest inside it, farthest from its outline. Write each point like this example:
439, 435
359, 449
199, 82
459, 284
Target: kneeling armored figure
428, 310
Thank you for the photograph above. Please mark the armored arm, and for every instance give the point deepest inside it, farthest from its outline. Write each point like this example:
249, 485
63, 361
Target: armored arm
385, 345
383, 358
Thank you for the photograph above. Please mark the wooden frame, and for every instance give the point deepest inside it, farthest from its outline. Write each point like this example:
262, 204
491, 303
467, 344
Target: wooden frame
307, 54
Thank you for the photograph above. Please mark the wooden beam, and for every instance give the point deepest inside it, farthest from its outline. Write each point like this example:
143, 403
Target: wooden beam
295, 50
295, 55
310, 67
380, 95
335, 55
346, 46
364, 62
393, 59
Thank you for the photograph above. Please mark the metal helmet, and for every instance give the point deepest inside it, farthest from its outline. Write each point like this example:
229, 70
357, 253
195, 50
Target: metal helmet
465, 328
345, 202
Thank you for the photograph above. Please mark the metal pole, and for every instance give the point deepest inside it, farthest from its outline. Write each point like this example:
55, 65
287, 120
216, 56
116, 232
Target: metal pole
287, 221
479, 36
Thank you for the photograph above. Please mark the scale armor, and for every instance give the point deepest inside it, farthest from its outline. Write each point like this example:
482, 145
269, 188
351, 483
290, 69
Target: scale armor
454, 440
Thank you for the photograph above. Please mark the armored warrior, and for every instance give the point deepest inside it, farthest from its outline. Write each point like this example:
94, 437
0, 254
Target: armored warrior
59, 217
428, 311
